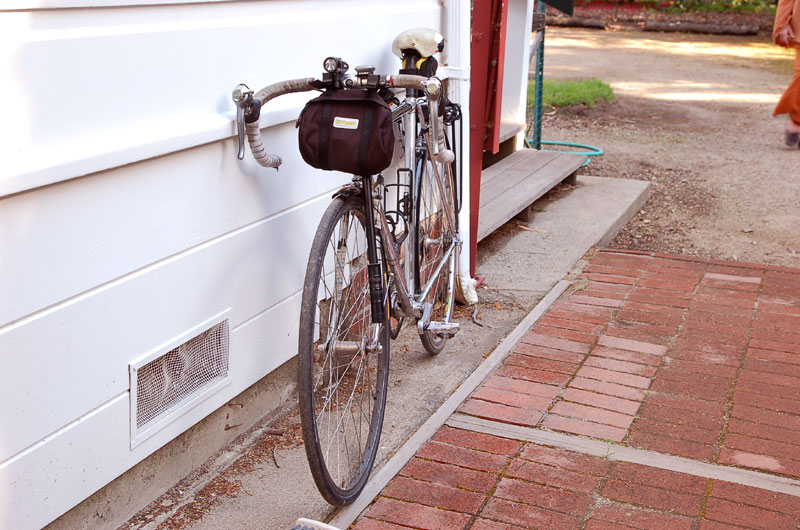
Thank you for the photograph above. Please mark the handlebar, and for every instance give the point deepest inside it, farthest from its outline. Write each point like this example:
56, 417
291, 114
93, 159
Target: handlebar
248, 107
248, 112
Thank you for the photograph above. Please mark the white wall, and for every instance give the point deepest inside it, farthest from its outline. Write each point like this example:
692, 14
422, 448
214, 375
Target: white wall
517, 56
126, 220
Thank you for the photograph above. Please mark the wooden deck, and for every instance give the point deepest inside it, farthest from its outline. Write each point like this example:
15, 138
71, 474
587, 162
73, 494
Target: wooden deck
509, 129
511, 185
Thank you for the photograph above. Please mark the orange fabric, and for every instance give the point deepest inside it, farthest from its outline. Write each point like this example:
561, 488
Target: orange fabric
790, 101
788, 12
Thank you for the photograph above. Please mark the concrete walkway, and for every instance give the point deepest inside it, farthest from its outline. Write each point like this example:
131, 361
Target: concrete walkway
657, 392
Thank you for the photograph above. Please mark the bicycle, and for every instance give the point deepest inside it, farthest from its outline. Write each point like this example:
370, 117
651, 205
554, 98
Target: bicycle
383, 252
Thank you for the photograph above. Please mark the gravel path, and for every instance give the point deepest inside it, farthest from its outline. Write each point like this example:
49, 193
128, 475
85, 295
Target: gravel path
693, 115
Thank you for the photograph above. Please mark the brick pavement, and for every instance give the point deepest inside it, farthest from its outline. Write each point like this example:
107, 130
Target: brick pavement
687, 357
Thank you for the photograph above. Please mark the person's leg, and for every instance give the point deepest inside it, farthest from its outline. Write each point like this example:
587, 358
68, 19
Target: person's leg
791, 137
790, 104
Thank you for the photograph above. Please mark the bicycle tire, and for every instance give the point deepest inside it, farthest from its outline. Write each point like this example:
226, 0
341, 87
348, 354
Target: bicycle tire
342, 383
433, 236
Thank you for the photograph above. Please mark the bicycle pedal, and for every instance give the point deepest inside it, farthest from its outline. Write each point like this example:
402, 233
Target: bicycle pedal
443, 328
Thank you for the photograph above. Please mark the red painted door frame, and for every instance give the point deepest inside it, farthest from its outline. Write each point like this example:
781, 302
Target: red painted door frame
489, 23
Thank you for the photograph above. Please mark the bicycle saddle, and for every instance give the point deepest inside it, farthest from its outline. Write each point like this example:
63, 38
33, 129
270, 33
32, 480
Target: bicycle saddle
424, 40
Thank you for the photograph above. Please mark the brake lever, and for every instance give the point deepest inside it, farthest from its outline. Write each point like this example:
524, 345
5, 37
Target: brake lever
243, 98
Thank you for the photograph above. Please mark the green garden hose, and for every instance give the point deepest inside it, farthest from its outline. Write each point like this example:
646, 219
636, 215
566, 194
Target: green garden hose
536, 141
590, 150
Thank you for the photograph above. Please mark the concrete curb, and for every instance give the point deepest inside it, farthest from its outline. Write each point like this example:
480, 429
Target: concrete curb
623, 219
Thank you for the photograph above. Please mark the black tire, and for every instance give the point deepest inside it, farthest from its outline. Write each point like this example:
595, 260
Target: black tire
343, 357
437, 228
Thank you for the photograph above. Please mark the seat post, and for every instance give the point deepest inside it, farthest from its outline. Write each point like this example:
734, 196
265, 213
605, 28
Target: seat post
410, 59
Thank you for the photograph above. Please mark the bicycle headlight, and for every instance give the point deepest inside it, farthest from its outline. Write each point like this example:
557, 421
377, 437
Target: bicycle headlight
334, 64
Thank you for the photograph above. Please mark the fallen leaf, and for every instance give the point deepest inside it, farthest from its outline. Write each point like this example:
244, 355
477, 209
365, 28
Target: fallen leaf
498, 306
523, 227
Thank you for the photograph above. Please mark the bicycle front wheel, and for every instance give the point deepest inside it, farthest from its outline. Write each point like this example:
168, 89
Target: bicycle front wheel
437, 230
343, 356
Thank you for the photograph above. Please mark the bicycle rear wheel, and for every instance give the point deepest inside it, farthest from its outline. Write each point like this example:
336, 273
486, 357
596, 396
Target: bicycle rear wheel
437, 230
343, 356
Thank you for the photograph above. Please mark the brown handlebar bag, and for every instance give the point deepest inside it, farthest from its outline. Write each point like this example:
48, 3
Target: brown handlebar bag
347, 130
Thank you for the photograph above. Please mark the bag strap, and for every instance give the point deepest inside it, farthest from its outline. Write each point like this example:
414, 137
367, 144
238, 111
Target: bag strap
363, 145
324, 134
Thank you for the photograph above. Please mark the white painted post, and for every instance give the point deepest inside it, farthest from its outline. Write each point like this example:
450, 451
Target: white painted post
457, 59
517, 58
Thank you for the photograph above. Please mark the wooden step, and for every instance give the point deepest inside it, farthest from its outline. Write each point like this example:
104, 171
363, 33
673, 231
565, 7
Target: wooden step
509, 129
511, 185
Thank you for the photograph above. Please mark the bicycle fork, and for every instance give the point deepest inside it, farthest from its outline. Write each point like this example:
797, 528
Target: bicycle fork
376, 297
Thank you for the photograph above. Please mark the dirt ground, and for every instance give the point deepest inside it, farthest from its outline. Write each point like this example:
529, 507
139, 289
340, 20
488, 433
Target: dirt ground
693, 115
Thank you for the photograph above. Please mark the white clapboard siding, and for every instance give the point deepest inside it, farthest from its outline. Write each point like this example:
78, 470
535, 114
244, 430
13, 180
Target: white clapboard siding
77, 354
68, 238
97, 88
115, 222
54, 475
126, 219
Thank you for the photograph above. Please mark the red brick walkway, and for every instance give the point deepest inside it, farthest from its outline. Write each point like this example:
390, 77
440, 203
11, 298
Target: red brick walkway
686, 357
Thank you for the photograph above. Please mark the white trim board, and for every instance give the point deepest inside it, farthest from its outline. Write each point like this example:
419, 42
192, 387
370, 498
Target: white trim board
140, 144
36, 5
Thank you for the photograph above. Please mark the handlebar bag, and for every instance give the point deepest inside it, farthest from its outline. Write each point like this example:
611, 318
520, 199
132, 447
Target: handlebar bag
347, 130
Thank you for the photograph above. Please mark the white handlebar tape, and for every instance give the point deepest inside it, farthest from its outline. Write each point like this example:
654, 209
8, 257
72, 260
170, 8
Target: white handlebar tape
257, 147
254, 129
407, 81
445, 155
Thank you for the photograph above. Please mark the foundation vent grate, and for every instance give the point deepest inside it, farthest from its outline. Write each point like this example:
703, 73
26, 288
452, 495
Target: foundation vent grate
167, 382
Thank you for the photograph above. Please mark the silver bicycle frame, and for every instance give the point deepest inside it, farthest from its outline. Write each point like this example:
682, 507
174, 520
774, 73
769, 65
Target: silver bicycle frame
410, 111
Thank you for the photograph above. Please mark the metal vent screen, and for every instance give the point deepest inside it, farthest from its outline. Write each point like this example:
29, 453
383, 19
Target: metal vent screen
179, 375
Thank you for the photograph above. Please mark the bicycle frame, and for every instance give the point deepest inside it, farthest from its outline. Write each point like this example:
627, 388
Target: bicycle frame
411, 113
361, 270
419, 151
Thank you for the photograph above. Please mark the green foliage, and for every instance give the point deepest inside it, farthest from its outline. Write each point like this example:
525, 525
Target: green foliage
557, 93
682, 6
